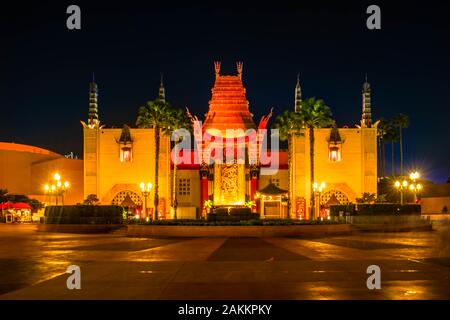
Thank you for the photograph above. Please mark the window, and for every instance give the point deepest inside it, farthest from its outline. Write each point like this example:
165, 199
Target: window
334, 153
125, 154
184, 187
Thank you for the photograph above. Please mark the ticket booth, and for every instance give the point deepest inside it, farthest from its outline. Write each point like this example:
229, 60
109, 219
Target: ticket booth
273, 202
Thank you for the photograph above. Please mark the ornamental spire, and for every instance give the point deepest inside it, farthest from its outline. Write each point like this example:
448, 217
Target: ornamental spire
366, 104
93, 104
162, 91
298, 95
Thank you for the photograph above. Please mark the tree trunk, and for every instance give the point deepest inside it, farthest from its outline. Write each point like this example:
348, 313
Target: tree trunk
383, 160
290, 141
311, 156
174, 189
156, 201
401, 151
392, 158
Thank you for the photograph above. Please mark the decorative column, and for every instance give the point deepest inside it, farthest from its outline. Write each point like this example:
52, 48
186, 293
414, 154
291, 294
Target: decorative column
254, 184
204, 193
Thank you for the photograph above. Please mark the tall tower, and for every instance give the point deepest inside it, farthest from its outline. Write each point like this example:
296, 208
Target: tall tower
93, 105
298, 95
162, 91
91, 131
366, 119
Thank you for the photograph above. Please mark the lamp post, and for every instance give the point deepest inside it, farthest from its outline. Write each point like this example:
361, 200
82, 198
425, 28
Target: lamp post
145, 189
401, 186
57, 188
318, 189
415, 187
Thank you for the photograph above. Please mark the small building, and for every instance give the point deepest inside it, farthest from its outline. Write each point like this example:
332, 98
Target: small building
25, 169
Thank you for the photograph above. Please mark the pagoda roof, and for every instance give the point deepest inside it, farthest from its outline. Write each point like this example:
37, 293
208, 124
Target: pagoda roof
228, 107
272, 190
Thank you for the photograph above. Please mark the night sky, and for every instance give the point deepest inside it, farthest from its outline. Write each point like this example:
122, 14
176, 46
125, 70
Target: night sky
46, 69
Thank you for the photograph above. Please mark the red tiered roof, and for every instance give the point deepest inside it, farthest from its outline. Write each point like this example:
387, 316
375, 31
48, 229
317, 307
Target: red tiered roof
228, 107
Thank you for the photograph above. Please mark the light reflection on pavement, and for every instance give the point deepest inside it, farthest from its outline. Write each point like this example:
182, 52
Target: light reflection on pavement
413, 265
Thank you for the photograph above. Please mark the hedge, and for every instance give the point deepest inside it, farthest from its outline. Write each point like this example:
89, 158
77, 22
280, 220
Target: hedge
232, 214
83, 214
379, 209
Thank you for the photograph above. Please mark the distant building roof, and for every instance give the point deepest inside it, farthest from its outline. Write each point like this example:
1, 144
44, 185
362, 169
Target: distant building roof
436, 190
10, 146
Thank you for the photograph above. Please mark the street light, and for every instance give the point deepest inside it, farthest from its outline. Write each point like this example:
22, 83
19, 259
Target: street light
401, 186
57, 188
318, 189
145, 189
414, 176
415, 187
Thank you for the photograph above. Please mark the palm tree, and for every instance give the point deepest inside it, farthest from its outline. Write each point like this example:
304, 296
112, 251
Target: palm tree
383, 127
391, 136
178, 119
401, 121
315, 114
288, 124
155, 114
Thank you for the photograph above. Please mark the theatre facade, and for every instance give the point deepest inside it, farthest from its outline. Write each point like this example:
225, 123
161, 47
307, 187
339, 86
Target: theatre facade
231, 163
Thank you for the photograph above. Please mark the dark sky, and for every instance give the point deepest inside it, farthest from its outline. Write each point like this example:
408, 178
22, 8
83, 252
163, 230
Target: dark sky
46, 69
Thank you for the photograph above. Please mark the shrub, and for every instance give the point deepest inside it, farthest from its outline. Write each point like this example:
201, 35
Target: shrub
81, 214
379, 209
232, 214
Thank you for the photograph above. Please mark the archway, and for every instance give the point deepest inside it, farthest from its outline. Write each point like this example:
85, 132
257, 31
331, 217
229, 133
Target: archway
334, 195
130, 200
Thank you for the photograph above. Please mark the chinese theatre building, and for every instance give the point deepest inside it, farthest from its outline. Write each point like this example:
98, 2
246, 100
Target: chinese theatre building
230, 164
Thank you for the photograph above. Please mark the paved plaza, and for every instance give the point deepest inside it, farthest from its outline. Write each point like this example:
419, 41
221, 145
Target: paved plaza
414, 265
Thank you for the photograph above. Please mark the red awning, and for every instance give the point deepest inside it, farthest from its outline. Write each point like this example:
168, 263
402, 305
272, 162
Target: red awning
18, 205
6, 205
21, 205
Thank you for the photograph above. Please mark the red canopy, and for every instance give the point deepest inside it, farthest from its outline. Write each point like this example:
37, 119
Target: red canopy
18, 205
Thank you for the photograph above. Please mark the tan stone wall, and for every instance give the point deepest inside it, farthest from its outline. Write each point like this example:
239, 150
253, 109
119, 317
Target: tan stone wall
107, 175
435, 205
193, 200
71, 170
15, 166
354, 174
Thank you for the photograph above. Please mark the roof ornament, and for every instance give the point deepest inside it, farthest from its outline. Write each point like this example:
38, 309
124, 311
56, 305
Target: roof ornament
239, 66
217, 68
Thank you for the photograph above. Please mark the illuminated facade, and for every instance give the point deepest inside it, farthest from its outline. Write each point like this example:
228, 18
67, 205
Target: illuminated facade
227, 167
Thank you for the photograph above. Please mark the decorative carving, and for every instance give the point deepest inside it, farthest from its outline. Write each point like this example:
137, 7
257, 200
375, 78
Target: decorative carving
254, 171
204, 170
229, 185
